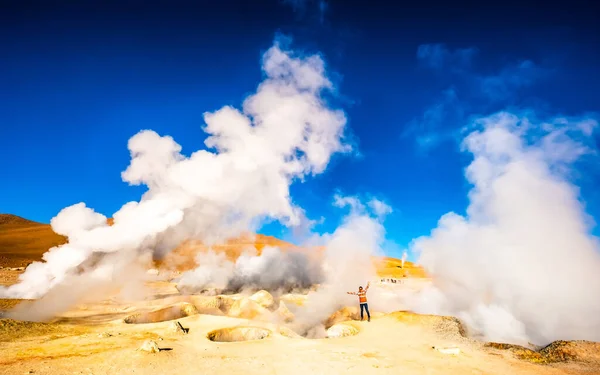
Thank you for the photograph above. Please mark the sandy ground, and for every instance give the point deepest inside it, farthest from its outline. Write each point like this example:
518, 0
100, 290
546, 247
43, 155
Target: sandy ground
8, 277
93, 339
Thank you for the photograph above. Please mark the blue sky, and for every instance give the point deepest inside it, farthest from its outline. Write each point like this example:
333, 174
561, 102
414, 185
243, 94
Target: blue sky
77, 81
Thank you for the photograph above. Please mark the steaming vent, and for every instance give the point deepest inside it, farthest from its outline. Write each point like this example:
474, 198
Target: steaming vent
236, 334
341, 330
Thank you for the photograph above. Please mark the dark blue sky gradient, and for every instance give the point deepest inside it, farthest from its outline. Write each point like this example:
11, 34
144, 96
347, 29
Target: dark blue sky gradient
77, 81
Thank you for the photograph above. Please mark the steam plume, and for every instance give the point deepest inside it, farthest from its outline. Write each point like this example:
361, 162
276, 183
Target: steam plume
272, 270
346, 259
520, 266
347, 263
285, 131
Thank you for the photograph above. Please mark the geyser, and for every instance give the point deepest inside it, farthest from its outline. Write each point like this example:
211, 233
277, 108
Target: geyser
284, 132
521, 266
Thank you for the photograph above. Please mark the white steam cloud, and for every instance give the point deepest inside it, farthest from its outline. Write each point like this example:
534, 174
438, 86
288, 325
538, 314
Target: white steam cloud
285, 131
345, 259
347, 263
521, 266
272, 270
338, 262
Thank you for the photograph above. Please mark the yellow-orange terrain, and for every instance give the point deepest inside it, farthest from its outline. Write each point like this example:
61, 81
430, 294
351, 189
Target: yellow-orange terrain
166, 332
23, 241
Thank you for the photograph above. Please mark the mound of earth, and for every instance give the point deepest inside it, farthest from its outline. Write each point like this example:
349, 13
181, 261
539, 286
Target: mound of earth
236, 334
341, 330
342, 315
447, 325
263, 298
177, 311
212, 305
245, 308
557, 351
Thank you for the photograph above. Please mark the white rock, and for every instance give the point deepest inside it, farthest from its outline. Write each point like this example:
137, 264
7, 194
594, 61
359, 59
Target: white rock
263, 298
150, 346
341, 330
176, 327
452, 351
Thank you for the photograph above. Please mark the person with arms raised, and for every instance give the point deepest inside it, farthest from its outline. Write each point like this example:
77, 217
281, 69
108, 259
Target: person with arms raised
362, 299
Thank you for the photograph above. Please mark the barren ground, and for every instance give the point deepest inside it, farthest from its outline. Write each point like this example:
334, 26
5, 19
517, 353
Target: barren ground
93, 337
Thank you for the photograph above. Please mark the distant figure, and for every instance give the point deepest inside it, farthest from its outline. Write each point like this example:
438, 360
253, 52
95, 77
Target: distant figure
362, 299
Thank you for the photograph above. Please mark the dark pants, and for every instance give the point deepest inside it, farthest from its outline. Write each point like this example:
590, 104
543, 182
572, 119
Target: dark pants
364, 306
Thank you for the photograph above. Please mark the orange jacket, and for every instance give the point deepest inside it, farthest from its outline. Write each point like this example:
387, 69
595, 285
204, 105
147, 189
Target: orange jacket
362, 295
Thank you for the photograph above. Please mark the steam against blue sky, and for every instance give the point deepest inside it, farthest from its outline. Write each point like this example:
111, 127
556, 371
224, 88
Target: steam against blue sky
78, 81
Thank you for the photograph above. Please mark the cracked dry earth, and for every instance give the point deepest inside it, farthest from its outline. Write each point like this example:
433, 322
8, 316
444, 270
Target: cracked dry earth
94, 339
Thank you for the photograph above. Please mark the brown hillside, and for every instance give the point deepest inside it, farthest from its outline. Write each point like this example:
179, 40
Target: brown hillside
8, 219
23, 241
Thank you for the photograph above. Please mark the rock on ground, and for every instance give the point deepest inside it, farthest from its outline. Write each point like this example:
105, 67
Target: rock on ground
176, 327
341, 330
246, 308
263, 298
150, 346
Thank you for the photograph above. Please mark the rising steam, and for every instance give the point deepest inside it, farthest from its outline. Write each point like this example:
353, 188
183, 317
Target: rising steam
520, 266
337, 261
272, 270
285, 131
347, 263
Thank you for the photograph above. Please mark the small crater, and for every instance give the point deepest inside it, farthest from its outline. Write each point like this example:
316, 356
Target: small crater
238, 334
162, 315
320, 331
